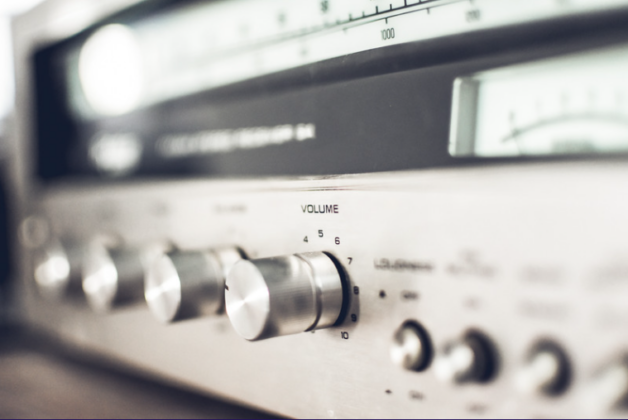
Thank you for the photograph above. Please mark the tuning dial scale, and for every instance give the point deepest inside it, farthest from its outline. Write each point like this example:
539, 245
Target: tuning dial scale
277, 296
188, 284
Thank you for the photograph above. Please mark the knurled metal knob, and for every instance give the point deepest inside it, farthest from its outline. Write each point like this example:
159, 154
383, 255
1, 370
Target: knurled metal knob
277, 296
111, 277
187, 284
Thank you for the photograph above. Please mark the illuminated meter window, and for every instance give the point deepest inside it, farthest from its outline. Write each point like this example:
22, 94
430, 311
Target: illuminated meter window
563, 106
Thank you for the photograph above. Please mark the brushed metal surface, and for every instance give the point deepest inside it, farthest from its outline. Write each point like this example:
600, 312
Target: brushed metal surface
247, 301
523, 253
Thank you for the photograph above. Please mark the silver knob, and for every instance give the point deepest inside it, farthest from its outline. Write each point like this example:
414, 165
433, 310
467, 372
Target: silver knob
471, 358
181, 285
277, 296
57, 269
411, 348
546, 371
111, 277
56, 265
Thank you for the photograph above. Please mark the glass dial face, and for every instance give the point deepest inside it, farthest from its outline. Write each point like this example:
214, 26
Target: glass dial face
568, 105
203, 45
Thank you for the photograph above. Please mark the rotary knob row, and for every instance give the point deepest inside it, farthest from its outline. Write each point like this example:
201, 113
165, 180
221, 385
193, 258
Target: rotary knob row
264, 298
473, 358
546, 370
277, 296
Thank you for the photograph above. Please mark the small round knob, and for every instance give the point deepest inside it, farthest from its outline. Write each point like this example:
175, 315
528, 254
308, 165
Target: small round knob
56, 264
471, 358
607, 391
181, 285
546, 371
111, 277
56, 269
411, 348
277, 296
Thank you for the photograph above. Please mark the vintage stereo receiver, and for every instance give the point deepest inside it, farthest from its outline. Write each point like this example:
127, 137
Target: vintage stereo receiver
333, 208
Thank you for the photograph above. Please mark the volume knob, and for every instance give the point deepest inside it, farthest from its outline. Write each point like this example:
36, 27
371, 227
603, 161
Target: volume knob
188, 284
277, 296
111, 276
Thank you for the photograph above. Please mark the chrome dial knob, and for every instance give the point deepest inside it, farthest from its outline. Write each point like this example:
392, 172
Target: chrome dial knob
111, 277
56, 269
471, 358
277, 296
181, 285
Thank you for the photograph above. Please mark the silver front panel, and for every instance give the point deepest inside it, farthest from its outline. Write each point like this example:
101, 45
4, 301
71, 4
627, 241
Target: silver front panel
520, 253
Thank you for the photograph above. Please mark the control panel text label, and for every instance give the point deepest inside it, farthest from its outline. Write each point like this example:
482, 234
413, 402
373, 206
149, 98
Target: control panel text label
401, 265
320, 208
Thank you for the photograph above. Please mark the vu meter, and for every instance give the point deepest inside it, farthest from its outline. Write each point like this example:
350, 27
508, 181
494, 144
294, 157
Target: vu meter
569, 105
